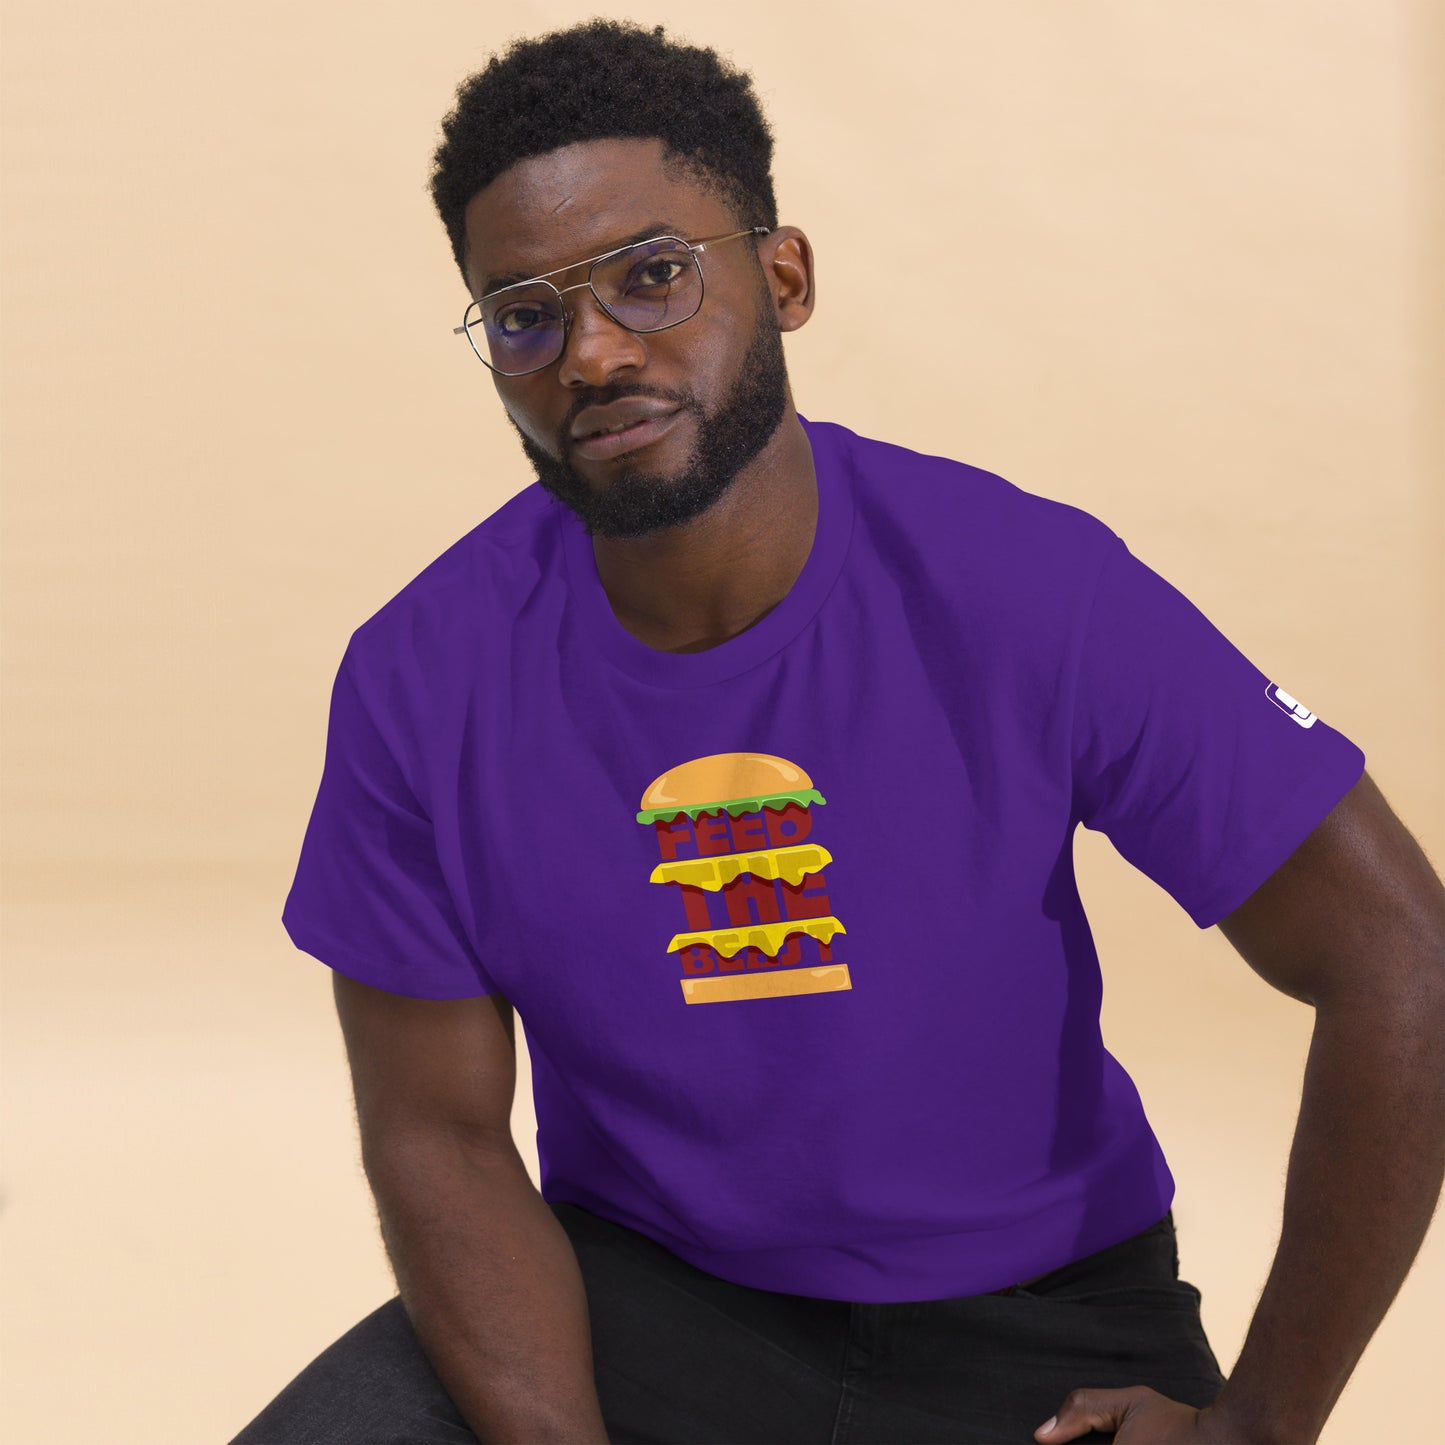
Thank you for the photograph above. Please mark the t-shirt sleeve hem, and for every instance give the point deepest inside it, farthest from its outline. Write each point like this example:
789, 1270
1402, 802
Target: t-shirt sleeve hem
345, 961
1309, 805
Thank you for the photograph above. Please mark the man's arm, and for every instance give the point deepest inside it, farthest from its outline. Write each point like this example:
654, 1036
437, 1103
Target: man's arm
1353, 924
487, 1276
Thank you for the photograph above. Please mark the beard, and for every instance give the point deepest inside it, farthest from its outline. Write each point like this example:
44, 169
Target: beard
635, 501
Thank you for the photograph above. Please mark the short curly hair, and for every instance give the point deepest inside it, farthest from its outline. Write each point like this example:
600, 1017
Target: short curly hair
594, 81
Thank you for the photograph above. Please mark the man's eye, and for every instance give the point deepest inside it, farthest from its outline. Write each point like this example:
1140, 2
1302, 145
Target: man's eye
520, 318
656, 273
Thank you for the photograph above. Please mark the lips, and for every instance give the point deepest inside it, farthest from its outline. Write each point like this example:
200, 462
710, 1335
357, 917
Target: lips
639, 432
594, 419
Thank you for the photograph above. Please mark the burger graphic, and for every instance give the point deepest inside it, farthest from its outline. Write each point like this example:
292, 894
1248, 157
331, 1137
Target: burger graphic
732, 833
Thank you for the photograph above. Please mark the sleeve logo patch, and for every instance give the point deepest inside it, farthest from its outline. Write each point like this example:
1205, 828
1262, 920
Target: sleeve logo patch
1297, 711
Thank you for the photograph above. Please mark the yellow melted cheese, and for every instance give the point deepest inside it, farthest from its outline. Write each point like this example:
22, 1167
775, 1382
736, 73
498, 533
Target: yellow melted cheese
767, 936
789, 864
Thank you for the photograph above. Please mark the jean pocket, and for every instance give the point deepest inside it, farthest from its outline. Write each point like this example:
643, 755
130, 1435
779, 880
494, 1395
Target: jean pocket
1177, 1294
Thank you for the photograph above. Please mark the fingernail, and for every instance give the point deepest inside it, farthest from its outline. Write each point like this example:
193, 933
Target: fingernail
1047, 1425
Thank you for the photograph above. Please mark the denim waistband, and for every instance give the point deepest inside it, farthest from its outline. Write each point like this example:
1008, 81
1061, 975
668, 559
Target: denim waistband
1112, 1254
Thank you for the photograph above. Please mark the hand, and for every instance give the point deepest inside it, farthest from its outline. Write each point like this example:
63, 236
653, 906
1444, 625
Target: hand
1139, 1416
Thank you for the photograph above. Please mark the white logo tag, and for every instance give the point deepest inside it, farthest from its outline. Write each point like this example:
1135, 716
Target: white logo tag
1293, 706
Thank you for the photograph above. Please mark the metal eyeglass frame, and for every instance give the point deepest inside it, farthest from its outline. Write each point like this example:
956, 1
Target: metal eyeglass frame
592, 263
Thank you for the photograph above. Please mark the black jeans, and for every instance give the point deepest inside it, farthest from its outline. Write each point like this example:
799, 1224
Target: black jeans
682, 1356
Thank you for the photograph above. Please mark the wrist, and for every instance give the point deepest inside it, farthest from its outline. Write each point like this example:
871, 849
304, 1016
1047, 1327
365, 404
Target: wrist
1233, 1420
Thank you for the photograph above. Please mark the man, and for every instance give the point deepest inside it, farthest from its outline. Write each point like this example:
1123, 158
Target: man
743, 755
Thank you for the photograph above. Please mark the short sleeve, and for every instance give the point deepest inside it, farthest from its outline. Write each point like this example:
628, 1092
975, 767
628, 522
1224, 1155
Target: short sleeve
369, 898
1202, 772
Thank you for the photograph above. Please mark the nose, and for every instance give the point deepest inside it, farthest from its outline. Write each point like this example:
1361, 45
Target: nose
597, 347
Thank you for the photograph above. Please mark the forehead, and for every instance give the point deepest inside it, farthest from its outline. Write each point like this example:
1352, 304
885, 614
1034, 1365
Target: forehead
575, 202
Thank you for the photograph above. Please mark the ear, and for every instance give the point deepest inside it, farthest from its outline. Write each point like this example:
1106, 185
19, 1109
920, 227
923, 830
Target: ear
787, 259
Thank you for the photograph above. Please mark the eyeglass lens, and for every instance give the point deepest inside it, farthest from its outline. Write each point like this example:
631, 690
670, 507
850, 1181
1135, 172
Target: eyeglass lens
647, 287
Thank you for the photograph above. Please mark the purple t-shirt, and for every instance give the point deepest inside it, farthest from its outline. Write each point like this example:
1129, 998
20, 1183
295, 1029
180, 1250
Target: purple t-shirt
792, 922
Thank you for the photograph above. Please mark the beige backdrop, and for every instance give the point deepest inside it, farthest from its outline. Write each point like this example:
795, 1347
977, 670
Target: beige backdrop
1192, 286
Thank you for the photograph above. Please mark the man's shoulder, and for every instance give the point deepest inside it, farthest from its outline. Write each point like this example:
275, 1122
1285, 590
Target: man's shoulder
462, 596
951, 504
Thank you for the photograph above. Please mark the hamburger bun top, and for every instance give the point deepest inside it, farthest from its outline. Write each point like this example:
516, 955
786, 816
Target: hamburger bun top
747, 778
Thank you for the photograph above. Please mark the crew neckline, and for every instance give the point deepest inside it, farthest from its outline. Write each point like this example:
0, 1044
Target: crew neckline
765, 637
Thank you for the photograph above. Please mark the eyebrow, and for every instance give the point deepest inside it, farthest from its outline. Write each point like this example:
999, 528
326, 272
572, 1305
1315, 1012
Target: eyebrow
657, 228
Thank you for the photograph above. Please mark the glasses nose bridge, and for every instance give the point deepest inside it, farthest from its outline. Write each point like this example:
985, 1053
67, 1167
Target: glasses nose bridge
569, 313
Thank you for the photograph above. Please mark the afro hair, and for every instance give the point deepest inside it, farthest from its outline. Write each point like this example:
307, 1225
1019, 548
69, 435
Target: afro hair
603, 79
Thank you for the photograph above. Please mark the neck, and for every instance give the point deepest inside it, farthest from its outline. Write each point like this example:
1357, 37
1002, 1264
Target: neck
692, 587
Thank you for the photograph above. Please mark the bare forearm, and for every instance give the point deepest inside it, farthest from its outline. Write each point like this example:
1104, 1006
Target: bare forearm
1365, 1172
491, 1284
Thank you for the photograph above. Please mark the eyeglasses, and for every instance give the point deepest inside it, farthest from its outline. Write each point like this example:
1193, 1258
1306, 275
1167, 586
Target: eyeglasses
647, 286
